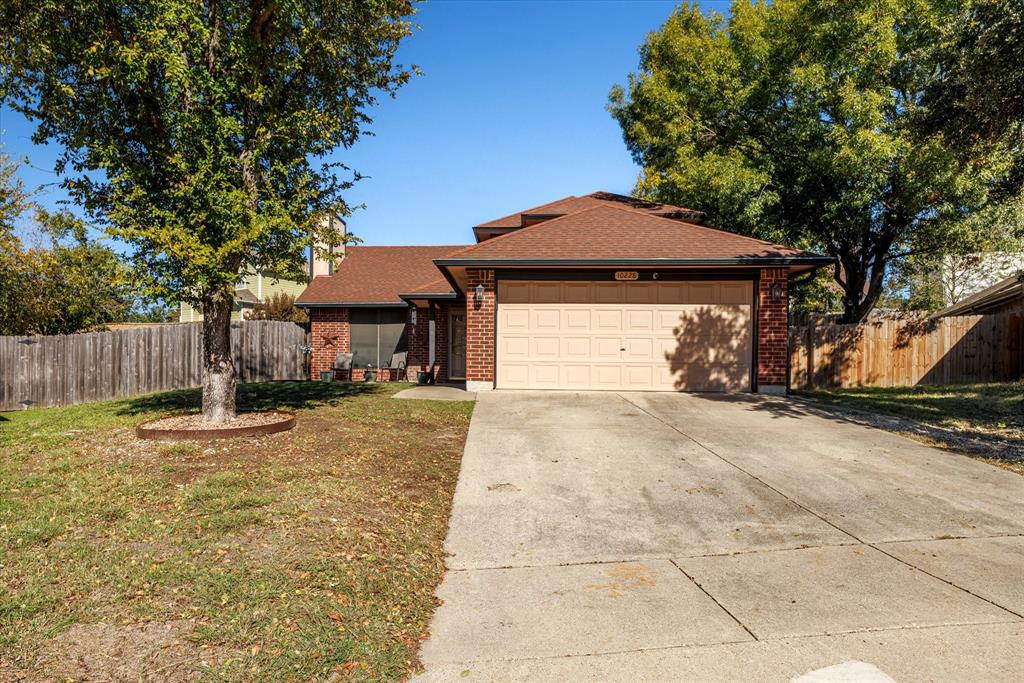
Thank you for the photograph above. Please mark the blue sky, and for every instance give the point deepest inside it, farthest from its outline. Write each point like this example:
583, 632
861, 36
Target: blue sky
510, 113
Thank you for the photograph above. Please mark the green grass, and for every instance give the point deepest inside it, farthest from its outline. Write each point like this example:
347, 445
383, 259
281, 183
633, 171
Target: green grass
289, 557
996, 408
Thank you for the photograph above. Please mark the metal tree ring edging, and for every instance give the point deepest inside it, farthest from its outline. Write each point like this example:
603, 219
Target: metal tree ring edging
156, 434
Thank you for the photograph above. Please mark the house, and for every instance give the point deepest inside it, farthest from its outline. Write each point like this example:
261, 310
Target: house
963, 275
1005, 296
601, 291
258, 287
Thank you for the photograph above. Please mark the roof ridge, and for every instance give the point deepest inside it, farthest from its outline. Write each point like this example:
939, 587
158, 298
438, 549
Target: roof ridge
529, 228
526, 211
595, 193
705, 228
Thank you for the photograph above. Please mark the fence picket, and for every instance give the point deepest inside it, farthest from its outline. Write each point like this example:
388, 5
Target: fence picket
68, 369
890, 353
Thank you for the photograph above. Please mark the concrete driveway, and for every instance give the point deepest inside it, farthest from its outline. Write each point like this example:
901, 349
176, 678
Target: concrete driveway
602, 536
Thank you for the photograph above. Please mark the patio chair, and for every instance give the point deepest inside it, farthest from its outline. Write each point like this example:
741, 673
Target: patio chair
397, 365
343, 364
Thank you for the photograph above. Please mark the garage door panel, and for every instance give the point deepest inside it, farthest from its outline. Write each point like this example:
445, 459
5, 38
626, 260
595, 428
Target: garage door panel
514, 347
547, 348
577, 318
546, 293
638, 348
515, 318
577, 348
607, 319
545, 375
639, 319
606, 348
514, 292
639, 335
607, 376
576, 376
607, 292
576, 293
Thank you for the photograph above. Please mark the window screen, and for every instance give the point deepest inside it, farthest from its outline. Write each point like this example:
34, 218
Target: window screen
376, 335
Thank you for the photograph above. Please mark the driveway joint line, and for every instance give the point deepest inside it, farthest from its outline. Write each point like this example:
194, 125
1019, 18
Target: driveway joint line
716, 601
749, 474
669, 557
946, 581
748, 643
822, 518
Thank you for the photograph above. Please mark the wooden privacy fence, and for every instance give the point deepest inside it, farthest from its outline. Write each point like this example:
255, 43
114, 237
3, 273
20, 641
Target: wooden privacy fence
889, 353
77, 368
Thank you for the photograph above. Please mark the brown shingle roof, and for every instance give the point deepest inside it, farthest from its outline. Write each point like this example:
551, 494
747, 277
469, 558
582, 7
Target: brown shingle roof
376, 275
572, 204
612, 231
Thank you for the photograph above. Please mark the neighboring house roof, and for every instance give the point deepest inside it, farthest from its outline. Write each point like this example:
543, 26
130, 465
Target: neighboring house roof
992, 298
614, 232
245, 296
376, 275
572, 204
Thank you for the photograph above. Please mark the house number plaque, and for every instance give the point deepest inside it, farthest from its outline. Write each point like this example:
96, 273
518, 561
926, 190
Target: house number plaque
627, 275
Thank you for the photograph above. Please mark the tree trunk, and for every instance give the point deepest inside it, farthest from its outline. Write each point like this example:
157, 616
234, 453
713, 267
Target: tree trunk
218, 365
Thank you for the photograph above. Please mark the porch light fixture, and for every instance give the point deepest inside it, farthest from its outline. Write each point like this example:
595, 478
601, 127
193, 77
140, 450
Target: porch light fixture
776, 292
412, 315
478, 294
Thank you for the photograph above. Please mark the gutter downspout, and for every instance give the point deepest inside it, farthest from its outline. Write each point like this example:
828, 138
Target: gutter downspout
431, 340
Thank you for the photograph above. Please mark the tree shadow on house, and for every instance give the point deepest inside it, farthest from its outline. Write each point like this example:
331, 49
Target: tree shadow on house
713, 349
262, 396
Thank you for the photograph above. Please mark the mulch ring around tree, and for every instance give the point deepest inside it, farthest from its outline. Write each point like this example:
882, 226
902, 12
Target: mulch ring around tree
191, 427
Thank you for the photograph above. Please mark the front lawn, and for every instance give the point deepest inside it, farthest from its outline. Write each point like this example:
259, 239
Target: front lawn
303, 555
978, 411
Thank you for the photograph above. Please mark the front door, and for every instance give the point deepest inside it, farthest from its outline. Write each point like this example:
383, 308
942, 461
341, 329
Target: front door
457, 345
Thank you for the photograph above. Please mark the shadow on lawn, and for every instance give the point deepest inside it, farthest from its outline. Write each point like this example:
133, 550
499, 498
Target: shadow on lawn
265, 396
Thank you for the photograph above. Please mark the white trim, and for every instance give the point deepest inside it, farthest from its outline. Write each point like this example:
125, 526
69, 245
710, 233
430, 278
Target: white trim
476, 385
431, 343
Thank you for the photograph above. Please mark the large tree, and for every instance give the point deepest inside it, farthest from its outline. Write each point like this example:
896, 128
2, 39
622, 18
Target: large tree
797, 121
978, 96
194, 131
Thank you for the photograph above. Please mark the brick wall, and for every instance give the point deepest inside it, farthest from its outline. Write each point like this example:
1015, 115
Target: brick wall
773, 329
417, 341
480, 327
329, 336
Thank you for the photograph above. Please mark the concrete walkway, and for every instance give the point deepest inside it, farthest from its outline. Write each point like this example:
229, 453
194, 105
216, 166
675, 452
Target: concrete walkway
649, 537
437, 392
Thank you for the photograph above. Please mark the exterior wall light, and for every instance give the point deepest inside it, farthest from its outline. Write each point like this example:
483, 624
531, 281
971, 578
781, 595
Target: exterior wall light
776, 291
412, 315
478, 294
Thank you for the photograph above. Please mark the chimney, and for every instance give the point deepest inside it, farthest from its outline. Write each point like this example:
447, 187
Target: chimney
321, 263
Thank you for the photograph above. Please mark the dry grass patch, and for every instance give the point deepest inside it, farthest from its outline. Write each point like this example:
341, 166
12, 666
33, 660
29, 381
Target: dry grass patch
298, 556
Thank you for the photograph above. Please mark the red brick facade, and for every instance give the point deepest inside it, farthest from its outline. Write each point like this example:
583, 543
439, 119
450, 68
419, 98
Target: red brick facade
773, 329
480, 327
419, 340
329, 330
329, 336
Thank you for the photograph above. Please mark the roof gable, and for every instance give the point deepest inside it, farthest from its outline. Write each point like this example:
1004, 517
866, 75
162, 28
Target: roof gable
376, 275
615, 231
572, 203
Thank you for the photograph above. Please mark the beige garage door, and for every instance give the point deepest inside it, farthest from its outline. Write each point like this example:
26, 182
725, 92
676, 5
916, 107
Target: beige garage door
634, 336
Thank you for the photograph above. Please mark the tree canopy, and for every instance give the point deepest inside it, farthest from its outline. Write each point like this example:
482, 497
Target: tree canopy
194, 130
799, 121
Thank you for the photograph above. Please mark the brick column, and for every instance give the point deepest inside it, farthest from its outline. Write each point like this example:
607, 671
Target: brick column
480, 331
772, 333
418, 352
329, 336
